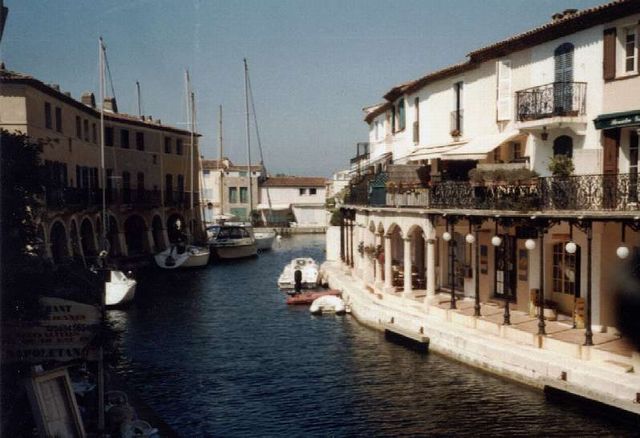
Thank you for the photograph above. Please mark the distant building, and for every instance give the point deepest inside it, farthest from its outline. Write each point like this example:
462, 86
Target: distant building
235, 189
293, 200
148, 175
338, 182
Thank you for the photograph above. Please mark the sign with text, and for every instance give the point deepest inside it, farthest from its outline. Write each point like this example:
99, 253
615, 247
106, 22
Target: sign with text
63, 335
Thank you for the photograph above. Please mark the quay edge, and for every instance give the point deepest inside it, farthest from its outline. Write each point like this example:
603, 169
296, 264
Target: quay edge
459, 340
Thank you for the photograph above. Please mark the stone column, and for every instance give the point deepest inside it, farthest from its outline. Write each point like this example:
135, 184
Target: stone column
408, 287
377, 240
165, 238
123, 244
387, 263
431, 259
150, 242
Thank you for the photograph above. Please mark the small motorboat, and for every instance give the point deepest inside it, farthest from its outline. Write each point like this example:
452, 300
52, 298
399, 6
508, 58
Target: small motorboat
309, 270
328, 304
232, 241
119, 288
264, 239
310, 296
182, 256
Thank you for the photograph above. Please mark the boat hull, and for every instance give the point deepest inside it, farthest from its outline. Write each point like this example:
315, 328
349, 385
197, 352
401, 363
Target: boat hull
192, 257
264, 240
235, 251
120, 290
309, 297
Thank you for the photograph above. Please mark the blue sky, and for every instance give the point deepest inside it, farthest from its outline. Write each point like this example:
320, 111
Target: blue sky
313, 64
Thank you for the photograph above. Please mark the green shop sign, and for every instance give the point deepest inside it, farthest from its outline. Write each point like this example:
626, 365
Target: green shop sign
617, 120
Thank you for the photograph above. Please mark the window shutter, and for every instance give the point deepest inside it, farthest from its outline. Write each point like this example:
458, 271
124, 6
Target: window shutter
504, 90
609, 55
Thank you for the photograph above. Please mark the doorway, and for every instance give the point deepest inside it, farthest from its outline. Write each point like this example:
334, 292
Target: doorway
505, 272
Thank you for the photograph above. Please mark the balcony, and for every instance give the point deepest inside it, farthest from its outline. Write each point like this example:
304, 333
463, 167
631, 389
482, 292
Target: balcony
581, 193
362, 153
558, 99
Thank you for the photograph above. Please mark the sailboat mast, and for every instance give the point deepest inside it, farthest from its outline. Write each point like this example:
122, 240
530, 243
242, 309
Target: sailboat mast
103, 178
220, 166
139, 98
193, 112
246, 102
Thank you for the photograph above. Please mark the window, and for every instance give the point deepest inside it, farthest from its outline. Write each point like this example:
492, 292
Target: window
140, 183
47, 115
517, 150
312, 191
126, 187
124, 139
108, 136
416, 122
303, 192
456, 119
179, 146
393, 119
565, 270
167, 145
86, 129
58, 119
206, 172
630, 50
168, 186
563, 145
244, 195
401, 115
140, 141
233, 195
94, 132
181, 183
78, 127
504, 105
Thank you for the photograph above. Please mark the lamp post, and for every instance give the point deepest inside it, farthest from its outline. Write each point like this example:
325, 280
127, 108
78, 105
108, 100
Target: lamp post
448, 237
496, 241
471, 239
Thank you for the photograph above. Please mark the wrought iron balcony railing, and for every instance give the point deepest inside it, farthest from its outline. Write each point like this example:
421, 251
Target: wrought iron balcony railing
615, 192
551, 100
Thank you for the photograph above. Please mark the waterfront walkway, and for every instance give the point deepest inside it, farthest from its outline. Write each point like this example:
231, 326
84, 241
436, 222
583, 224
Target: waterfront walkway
608, 372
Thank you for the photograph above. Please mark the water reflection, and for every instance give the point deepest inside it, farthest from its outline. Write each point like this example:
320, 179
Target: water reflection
217, 353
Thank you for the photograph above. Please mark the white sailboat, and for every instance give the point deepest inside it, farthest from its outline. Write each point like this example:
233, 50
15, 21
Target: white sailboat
264, 238
119, 288
188, 255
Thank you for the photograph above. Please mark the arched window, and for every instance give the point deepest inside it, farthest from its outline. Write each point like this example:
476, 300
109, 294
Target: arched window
563, 145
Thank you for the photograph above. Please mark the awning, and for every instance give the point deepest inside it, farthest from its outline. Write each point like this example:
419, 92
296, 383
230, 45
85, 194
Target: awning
617, 120
431, 152
479, 147
273, 207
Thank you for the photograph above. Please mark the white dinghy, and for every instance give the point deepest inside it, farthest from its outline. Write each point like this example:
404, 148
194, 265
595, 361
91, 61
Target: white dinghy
328, 304
119, 289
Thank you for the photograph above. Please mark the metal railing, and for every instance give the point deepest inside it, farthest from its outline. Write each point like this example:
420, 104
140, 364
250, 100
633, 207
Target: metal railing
615, 192
551, 100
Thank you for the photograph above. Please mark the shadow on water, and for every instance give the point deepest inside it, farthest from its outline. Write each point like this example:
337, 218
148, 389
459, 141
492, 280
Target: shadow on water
217, 352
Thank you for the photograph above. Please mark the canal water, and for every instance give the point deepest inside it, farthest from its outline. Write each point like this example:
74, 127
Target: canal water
216, 352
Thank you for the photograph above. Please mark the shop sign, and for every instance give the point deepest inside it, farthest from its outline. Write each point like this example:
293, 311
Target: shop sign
63, 335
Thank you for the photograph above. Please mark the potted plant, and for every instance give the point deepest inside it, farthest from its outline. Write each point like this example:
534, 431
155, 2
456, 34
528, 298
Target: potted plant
455, 133
562, 187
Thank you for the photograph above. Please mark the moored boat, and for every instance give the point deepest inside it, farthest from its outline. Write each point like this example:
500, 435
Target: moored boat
310, 296
119, 288
231, 241
182, 256
264, 239
307, 267
328, 304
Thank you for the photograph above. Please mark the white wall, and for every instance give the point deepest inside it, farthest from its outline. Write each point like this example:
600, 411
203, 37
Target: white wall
291, 195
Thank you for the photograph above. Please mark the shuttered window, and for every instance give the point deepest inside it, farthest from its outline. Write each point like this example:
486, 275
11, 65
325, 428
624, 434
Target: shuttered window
609, 54
504, 90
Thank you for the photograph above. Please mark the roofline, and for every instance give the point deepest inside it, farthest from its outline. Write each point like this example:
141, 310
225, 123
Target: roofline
556, 29
39, 85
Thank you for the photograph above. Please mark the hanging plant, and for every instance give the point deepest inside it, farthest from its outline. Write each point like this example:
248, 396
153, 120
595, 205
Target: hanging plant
361, 248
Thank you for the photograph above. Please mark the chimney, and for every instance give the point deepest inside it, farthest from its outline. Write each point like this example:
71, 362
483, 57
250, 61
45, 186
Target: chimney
89, 99
55, 87
110, 104
67, 93
568, 12
557, 17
